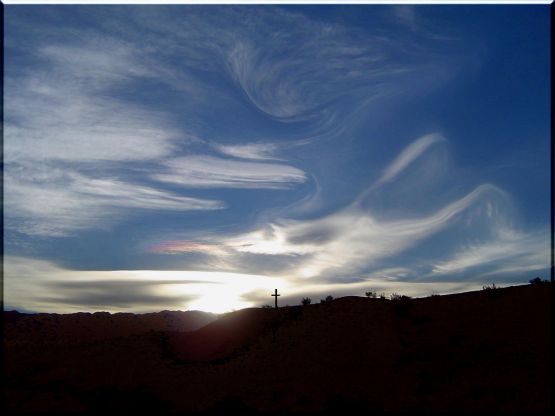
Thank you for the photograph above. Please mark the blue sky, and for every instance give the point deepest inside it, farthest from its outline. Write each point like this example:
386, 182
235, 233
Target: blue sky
175, 157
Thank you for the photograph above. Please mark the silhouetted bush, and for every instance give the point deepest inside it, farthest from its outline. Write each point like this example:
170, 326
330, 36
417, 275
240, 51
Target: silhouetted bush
490, 287
328, 299
382, 296
537, 280
371, 294
491, 290
306, 301
396, 296
266, 306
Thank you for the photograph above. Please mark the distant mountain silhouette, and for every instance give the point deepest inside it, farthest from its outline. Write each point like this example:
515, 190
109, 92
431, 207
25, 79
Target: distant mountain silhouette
45, 328
485, 350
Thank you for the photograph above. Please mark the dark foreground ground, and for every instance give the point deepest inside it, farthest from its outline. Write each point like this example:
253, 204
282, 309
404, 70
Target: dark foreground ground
486, 350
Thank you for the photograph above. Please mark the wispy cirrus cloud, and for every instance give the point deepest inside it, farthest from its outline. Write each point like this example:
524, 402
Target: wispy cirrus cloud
64, 133
61, 201
72, 106
69, 110
509, 252
357, 241
174, 247
325, 64
64, 110
214, 172
400, 164
347, 241
289, 67
406, 157
256, 151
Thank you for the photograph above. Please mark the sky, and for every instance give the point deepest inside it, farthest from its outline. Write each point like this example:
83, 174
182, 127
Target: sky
198, 157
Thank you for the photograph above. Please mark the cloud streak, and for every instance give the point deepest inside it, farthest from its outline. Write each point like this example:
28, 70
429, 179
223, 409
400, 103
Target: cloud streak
402, 162
256, 151
62, 202
64, 132
350, 239
407, 156
213, 172
509, 252
64, 111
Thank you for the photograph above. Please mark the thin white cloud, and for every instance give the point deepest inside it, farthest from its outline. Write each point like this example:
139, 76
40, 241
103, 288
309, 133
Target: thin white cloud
301, 87
212, 172
64, 110
62, 202
509, 252
350, 239
406, 157
65, 130
255, 151
406, 15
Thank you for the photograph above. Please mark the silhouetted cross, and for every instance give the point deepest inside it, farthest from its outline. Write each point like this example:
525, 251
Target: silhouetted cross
275, 296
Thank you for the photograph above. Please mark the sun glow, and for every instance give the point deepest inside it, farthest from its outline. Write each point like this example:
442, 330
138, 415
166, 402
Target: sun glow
223, 292
219, 301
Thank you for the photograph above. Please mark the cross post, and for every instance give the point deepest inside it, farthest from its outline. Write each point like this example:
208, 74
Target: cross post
275, 295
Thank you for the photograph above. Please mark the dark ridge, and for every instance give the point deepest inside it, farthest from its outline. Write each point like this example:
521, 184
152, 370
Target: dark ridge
478, 351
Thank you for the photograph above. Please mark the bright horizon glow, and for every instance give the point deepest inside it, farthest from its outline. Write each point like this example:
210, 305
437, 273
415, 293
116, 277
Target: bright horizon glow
214, 292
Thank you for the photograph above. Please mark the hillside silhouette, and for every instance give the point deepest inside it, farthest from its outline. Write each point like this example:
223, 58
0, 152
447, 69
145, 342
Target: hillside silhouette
485, 350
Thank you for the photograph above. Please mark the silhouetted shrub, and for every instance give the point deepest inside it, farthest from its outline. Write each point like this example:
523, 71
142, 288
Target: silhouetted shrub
382, 296
491, 290
396, 296
537, 280
371, 294
306, 301
490, 287
328, 299
266, 306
